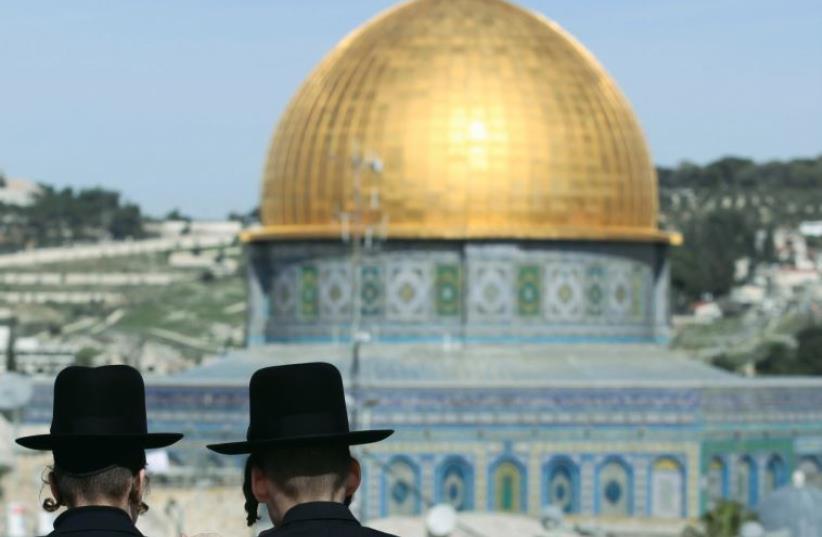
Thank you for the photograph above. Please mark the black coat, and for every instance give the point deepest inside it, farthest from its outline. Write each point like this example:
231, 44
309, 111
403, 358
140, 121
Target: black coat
96, 521
321, 519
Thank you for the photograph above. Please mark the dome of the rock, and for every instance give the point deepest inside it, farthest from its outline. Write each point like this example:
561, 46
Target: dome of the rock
488, 121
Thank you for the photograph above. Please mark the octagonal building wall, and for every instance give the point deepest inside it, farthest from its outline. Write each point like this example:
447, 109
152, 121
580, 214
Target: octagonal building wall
462, 291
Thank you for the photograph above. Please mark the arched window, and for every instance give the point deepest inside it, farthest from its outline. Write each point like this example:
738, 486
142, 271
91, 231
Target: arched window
776, 474
614, 488
667, 489
401, 485
508, 481
560, 479
746, 481
717, 481
455, 483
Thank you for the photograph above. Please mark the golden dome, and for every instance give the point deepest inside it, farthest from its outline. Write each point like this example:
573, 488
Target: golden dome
486, 121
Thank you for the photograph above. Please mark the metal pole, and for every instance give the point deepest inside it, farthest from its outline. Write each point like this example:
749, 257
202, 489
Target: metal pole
361, 236
355, 380
356, 254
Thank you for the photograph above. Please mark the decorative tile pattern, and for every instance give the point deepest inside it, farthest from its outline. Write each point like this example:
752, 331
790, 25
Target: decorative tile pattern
561, 491
596, 290
668, 489
638, 277
372, 291
490, 290
284, 293
776, 474
716, 480
455, 485
401, 482
615, 489
408, 291
620, 291
309, 292
509, 488
448, 289
335, 291
564, 294
529, 290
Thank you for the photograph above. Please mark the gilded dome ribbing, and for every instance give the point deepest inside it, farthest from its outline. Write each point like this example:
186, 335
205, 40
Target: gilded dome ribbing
488, 122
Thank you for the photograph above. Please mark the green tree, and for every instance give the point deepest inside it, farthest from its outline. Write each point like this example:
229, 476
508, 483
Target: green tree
809, 350
724, 520
85, 356
777, 358
741, 172
65, 215
705, 263
780, 358
126, 222
175, 214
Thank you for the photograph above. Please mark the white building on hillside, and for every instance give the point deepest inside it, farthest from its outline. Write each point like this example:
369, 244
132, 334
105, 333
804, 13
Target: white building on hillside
177, 228
19, 192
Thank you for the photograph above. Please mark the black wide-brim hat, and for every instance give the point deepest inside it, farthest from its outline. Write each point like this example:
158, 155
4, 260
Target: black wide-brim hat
101, 409
294, 405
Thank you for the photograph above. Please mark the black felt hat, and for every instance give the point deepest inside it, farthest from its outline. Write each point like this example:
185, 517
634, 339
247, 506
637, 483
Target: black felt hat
98, 411
298, 404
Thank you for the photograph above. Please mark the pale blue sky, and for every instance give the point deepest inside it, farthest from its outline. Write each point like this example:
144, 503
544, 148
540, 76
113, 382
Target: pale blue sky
173, 102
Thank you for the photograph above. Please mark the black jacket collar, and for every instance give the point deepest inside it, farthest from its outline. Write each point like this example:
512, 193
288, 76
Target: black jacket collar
82, 519
313, 511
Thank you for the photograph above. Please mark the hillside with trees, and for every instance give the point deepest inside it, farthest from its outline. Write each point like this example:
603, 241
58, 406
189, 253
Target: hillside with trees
65, 216
727, 210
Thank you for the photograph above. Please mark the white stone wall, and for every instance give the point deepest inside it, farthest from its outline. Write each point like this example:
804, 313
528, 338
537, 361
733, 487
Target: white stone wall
113, 249
91, 279
67, 297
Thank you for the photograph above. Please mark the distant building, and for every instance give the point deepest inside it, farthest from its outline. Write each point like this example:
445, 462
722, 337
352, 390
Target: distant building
33, 357
177, 228
811, 228
792, 247
788, 280
748, 295
707, 312
742, 269
18, 192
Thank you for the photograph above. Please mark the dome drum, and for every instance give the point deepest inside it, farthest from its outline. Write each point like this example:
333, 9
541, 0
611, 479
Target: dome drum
470, 291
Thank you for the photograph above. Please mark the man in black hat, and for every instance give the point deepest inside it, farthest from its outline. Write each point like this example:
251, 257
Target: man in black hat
299, 462
98, 439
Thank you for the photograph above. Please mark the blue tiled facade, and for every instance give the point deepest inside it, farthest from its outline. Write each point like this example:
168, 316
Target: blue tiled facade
644, 451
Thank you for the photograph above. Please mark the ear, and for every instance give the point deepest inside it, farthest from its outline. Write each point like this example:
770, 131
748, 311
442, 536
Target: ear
53, 486
352, 482
141, 481
259, 485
